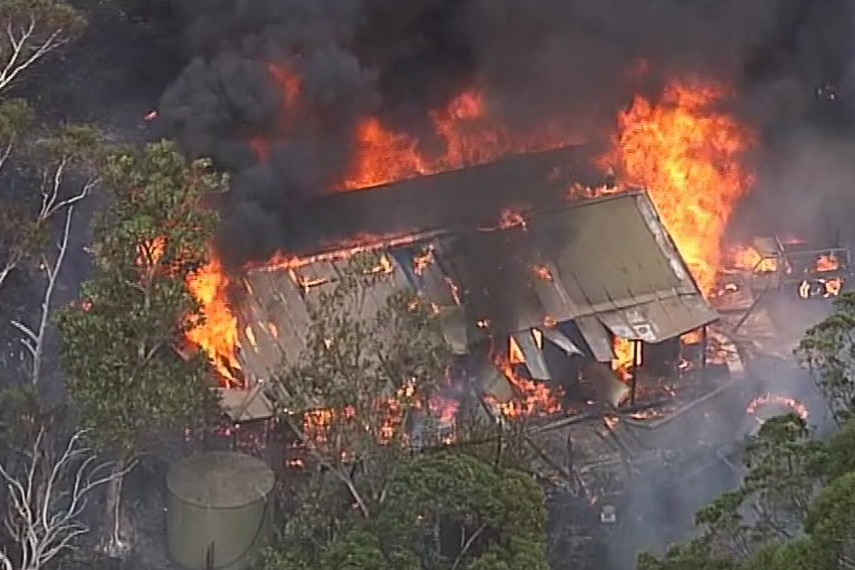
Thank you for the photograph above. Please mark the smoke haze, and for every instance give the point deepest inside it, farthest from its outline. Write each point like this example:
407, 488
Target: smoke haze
538, 60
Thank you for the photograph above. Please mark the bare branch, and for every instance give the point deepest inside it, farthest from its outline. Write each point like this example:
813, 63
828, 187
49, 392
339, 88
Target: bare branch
48, 497
30, 35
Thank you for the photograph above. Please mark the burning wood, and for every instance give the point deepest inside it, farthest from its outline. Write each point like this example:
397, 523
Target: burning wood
827, 262
821, 288
674, 150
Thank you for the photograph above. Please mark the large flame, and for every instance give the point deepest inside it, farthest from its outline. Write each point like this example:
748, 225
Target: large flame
466, 129
683, 148
687, 152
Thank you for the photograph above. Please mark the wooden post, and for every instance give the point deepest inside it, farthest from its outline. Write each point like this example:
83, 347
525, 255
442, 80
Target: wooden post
704, 345
636, 353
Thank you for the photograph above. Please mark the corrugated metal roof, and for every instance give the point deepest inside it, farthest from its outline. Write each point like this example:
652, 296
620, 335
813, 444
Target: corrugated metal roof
602, 262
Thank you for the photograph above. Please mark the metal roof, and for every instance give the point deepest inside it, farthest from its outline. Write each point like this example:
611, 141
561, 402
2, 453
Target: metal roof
608, 265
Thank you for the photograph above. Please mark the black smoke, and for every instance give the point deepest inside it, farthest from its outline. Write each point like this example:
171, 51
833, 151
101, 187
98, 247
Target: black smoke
399, 60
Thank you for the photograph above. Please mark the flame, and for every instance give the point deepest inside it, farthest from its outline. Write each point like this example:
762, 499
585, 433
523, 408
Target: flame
683, 148
750, 259
821, 288
778, 400
530, 398
827, 262
470, 135
217, 332
686, 152
624, 359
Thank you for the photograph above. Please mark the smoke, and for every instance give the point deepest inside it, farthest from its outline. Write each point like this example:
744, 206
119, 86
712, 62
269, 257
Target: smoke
578, 59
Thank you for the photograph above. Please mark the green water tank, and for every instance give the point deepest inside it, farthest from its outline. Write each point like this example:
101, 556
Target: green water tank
218, 510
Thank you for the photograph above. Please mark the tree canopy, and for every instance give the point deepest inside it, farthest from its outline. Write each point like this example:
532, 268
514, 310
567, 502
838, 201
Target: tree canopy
124, 376
795, 508
118, 341
379, 491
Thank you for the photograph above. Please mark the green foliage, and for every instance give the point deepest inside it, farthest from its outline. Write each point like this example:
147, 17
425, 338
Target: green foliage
16, 116
783, 466
827, 351
122, 372
372, 369
501, 511
795, 526
57, 170
696, 555
801, 554
32, 29
831, 523
368, 369
838, 453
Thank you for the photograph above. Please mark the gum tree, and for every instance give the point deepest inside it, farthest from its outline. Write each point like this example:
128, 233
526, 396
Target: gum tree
32, 30
124, 376
373, 495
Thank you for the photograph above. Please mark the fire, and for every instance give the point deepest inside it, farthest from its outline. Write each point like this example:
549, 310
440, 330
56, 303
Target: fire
686, 152
470, 135
780, 401
682, 148
624, 358
530, 398
217, 332
827, 263
750, 259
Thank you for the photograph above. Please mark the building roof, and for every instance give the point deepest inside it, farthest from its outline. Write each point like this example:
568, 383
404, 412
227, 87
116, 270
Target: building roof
607, 265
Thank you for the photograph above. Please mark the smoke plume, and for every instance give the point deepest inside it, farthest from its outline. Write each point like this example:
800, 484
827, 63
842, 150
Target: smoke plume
535, 60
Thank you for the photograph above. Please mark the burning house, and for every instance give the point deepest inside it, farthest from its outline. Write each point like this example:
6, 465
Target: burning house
563, 288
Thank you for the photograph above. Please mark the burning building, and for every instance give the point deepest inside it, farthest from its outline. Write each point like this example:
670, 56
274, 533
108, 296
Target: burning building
561, 287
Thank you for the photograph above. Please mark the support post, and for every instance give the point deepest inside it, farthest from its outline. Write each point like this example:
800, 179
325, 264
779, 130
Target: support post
704, 346
636, 354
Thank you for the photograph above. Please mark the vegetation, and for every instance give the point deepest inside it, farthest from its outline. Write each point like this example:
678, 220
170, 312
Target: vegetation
796, 507
368, 502
122, 372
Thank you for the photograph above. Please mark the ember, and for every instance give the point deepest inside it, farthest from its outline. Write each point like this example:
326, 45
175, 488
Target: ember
780, 401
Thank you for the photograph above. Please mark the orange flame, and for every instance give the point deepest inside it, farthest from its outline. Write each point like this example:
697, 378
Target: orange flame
624, 358
529, 398
826, 263
686, 152
750, 259
683, 148
778, 400
217, 332
471, 135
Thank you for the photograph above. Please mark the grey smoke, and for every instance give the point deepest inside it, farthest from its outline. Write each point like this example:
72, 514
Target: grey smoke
398, 60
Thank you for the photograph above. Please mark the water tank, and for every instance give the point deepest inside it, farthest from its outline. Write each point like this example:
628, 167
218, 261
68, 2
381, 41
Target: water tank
219, 510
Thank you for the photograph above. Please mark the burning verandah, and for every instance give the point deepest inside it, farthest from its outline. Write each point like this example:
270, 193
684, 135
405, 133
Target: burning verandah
564, 280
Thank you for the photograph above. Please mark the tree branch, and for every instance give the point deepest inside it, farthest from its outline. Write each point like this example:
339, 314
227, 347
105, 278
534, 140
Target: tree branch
48, 499
469, 542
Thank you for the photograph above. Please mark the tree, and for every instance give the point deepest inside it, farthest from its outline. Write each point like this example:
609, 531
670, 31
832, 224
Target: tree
360, 399
770, 506
795, 509
496, 516
828, 352
33, 29
117, 351
353, 394
65, 167
47, 497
